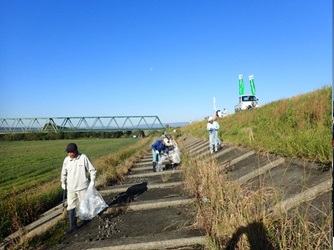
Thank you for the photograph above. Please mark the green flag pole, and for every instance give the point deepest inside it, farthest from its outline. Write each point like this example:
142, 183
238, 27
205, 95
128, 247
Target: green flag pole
252, 85
241, 85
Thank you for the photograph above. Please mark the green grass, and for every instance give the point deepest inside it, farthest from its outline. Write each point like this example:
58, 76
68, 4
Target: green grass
298, 127
26, 164
30, 175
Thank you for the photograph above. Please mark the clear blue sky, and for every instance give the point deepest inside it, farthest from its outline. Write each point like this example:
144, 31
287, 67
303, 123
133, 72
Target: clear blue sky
158, 57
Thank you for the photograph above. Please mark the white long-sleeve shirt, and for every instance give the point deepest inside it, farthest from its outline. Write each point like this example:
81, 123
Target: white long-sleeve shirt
75, 171
213, 126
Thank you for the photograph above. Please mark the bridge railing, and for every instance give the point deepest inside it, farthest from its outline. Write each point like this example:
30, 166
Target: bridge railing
80, 124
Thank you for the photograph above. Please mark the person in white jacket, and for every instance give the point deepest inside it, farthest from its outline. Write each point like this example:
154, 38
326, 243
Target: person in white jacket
74, 179
213, 127
174, 151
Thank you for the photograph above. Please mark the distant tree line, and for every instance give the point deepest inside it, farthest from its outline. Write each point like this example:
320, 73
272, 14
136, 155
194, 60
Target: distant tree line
69, 135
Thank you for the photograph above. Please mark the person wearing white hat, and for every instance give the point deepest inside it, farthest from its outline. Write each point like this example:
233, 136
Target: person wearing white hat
213, 127
174, 152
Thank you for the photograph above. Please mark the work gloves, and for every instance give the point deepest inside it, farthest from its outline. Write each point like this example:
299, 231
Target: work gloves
157, 152
63, 185
211, 129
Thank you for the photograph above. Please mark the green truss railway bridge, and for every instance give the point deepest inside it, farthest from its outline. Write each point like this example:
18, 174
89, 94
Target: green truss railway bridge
80, 124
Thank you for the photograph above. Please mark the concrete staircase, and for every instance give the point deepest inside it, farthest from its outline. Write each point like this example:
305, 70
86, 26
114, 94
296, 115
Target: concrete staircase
151, 210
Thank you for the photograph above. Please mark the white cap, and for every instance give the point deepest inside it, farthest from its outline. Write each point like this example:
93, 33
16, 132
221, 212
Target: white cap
167, 142
210, 118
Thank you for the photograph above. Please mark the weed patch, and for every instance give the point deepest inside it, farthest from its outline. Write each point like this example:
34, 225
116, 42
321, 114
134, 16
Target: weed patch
239, 218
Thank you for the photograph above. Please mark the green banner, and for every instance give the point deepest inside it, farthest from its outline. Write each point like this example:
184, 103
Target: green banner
241, 85
252, 85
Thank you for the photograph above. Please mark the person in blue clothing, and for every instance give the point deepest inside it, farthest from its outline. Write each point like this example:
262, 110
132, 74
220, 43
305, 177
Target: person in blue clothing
159, 148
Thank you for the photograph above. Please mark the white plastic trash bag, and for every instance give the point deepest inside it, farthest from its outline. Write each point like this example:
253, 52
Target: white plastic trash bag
176, 156
91, 205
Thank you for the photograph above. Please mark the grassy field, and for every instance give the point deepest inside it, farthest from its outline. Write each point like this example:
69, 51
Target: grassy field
26, 164
30, 174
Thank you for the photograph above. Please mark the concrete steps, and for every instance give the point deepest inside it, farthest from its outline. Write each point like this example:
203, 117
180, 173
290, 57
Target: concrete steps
158, 216
151, 210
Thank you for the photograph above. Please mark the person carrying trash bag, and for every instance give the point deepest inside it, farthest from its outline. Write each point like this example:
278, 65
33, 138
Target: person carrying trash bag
173, 151
74, 179
213, 127
159, 148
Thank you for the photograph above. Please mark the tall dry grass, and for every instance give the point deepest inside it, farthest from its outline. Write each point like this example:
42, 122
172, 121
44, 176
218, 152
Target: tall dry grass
114, 166
239, 218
